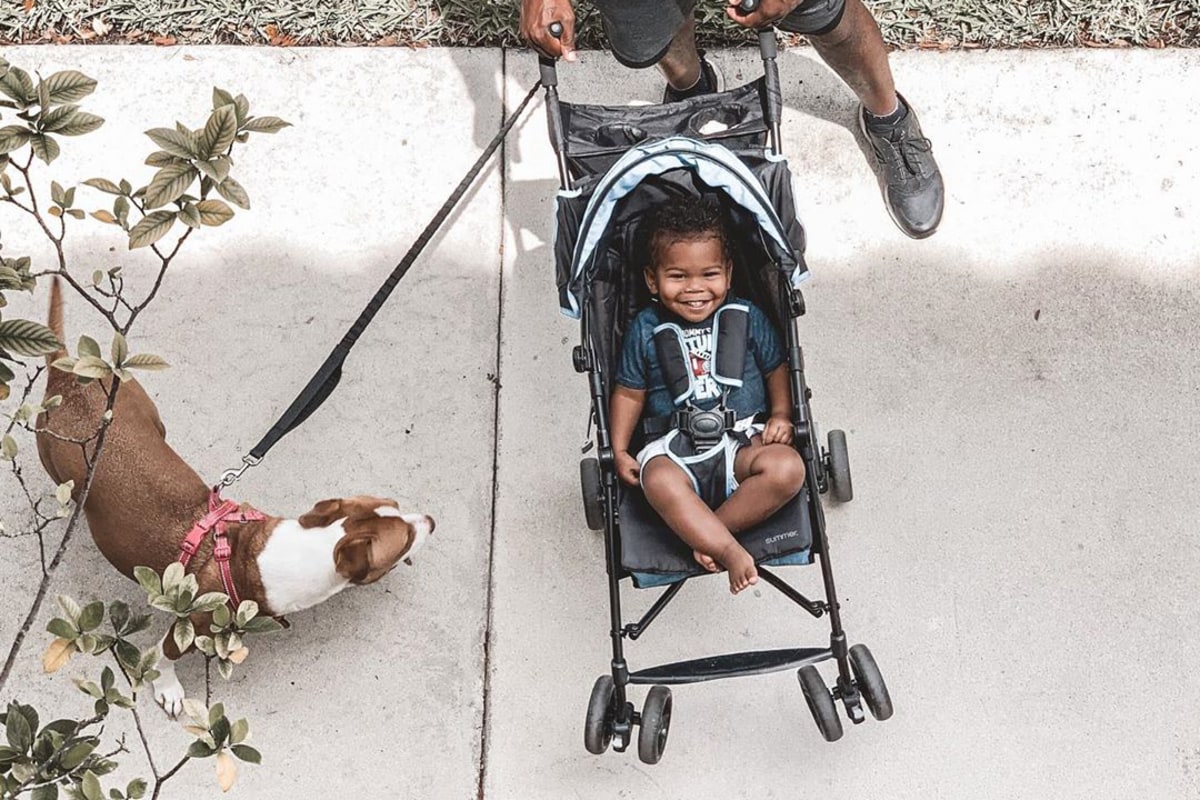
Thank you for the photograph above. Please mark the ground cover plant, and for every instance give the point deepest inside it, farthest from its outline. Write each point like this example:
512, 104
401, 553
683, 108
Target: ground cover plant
936, 24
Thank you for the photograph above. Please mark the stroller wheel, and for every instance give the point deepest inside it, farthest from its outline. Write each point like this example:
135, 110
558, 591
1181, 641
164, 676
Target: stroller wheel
870, 682
589, 479
839, 467
656, 724
598, 728
820, 703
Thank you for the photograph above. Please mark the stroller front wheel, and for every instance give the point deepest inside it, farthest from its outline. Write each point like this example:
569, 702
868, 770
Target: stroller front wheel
656, 724
589, 480
598, 727
820, 703
839, 467
870, 682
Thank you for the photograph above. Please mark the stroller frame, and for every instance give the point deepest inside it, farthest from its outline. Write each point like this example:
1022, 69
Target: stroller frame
612, 717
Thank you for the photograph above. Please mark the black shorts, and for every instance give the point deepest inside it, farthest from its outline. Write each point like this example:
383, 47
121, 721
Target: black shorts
639, 31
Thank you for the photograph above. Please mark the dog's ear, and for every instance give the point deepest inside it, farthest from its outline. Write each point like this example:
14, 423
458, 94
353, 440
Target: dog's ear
352, 557
323, 514
371, 547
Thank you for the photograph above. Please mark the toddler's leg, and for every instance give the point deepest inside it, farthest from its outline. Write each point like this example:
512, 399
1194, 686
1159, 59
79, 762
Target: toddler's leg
669, 491
768, 476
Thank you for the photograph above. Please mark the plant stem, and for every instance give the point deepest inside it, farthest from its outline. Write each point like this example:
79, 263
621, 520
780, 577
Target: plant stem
72, 524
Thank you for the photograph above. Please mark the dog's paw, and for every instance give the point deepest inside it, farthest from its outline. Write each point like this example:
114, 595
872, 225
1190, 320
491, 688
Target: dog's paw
168, 693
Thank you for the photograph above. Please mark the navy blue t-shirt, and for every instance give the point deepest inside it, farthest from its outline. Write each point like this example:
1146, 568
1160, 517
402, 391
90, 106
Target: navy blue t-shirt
639, 368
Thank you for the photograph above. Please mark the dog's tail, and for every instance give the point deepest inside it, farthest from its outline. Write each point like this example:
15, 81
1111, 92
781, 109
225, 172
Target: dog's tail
55, 321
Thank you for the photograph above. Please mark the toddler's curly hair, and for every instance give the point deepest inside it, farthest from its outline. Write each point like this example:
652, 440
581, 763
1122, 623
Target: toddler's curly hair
684, 219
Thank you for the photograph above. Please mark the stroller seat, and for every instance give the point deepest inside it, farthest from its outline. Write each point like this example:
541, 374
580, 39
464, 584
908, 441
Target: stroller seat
652, 555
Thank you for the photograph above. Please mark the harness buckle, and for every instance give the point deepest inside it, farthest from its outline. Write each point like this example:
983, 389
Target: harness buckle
189, 547
221, 549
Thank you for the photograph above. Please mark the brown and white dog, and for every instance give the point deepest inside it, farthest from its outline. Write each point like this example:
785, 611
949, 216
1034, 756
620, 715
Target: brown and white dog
145, 498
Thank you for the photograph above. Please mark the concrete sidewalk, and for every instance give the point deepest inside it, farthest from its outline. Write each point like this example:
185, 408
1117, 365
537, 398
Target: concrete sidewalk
1019, 392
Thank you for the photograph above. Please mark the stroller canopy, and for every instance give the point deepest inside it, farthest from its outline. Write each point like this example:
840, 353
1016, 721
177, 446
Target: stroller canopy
584, 224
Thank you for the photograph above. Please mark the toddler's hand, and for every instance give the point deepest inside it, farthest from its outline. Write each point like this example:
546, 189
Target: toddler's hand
778, 430
628, 469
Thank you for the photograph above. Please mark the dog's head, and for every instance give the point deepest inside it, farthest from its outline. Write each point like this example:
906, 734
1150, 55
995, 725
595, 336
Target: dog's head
377, 536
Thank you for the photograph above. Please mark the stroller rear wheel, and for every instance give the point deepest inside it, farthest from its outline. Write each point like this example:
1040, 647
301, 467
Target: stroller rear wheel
870, 682
839, 467
656, 724
598, 727
589, 479
820, 703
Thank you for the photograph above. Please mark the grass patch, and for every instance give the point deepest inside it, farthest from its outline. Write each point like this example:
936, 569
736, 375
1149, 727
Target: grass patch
934, 24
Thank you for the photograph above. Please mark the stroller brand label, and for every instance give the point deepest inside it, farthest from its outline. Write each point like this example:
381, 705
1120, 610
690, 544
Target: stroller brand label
779, 537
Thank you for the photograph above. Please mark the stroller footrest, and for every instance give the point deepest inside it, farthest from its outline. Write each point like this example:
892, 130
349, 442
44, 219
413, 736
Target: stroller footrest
731, 665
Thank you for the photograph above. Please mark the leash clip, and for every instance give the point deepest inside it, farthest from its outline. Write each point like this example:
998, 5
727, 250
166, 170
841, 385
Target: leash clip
230, 476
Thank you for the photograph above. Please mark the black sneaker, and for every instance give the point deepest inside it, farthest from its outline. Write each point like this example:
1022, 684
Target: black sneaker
912, 183
706, 85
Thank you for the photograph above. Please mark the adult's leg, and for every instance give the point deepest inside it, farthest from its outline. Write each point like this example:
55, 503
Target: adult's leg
854, 49
670, 492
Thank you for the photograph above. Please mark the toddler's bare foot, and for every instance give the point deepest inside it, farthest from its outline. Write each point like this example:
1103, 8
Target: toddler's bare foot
705, 561
740, 565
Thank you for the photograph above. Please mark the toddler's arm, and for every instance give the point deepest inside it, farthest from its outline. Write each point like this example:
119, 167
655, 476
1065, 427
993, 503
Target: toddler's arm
779, 394
624, 412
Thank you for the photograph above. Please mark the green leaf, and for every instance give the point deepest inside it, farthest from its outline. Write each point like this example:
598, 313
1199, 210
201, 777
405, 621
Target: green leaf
118, 615
220, 731
161, 158
91, 617
91, 786
17, 84
214, 212
219, 131
12, 137
199, 749
106, 186
169, 183
262, 625
189, 215
172, 577
88, 347
17, 729
45, 147
232, 191
221, 98
25, 337
76, 213
70, 608
66, 364
137, 624
176, 143
47, 792
150, 229
225, 668
145, 361
238, 731
266, 125
63, 629
136, 789
205, 645
119, 349
57, 194
221, 616
79, 123
128, 654
209, 601
69, 86
92, 367
242, 106
247, 610
75, 755
148, 579
184, 634
8, 447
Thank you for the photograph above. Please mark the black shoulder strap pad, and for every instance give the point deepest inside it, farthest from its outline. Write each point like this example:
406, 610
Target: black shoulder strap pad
731, 342
673, 360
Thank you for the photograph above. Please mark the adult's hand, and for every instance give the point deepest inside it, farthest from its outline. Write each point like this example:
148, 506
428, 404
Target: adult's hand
536, 17
766, 14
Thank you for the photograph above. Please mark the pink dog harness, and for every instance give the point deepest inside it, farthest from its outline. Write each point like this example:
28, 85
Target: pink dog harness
220, 514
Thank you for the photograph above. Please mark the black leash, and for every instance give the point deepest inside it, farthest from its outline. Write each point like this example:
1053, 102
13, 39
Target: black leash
322, 384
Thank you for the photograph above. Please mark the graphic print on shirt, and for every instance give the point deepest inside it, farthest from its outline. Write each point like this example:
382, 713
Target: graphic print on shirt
698, 342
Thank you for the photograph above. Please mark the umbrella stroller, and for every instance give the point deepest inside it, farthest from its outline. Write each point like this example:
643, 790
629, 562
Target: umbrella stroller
616, 163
